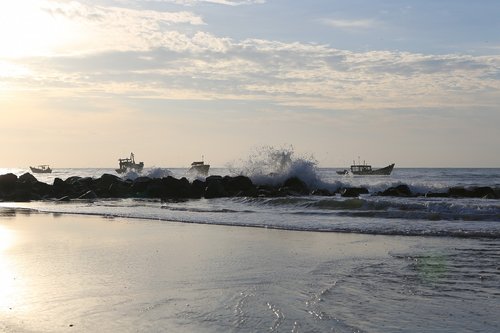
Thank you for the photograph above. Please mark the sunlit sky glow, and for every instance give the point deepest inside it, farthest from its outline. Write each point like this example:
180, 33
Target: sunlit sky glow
83, 83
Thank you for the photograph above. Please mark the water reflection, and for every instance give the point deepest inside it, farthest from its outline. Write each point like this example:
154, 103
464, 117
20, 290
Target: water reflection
7, 275
11, 210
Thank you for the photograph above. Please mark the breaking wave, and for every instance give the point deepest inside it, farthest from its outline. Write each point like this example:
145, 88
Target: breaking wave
272, 166
151, 173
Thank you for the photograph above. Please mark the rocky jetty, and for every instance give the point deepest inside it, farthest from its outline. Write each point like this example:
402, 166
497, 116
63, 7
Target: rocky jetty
27, 188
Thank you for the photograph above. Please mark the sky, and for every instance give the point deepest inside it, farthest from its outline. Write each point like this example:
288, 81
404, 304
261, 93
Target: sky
85, 82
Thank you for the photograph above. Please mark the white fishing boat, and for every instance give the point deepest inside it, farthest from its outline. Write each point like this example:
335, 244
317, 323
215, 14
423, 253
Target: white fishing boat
44, 168
199, 168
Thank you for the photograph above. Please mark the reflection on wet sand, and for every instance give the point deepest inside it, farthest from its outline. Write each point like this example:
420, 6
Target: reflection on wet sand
7, 275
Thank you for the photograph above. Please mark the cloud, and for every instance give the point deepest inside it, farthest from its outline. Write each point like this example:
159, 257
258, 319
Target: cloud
167, 55
115, 15
100, 28
350, 24
297, 75
218, 2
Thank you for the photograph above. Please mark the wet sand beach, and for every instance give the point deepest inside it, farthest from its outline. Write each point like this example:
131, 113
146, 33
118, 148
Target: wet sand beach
77, 273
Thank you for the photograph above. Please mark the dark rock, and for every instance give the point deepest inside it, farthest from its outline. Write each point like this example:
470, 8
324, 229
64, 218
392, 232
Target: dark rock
154, 189
239, 186
8, 182
27, 178
79, 185
60, 188
213, 178
198, 188
29, 185
140, 185
436, 195
352, 192
175, 188
321, 192
269, 191
108, 186
106, 180
72, 180
119, 190
295, 184
21, 195
41, 189
397, 191
214, 189
85, 182
88, 195
485, 192
458, 192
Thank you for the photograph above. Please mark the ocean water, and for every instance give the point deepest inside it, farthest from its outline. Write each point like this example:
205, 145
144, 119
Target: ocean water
372, 214
437, 271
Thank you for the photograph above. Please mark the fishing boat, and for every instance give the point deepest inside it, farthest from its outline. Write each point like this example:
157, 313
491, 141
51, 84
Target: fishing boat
199, 168
44, 168
366, 170
128, 164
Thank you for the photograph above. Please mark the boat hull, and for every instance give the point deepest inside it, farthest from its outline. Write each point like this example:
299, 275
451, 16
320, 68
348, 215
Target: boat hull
37, 170
135, 167
385, 171
199, 169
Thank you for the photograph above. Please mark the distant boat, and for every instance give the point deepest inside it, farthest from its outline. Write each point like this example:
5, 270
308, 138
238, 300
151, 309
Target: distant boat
365, 170
128, 164
44, 168
199, 168
342, 172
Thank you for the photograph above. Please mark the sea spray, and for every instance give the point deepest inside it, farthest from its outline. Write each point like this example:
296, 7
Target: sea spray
151, 173
273, 166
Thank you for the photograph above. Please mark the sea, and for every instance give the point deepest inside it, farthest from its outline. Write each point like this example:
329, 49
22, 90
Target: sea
367, 214
447, 281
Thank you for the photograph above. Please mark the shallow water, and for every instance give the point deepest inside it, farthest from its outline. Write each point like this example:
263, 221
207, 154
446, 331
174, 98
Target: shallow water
81, 273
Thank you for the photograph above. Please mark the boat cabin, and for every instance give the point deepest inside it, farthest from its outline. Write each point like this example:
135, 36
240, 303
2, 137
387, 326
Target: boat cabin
129, 164
360, 168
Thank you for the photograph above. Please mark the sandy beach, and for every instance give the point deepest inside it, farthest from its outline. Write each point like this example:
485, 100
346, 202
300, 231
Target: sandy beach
76, 273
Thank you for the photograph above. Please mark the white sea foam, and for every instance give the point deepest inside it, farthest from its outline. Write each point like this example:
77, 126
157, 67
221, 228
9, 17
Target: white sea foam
272, 166
151, 173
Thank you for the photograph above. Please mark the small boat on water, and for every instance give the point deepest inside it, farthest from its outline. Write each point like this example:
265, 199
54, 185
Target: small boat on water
44, 168
365, 170
199, 168
128, 164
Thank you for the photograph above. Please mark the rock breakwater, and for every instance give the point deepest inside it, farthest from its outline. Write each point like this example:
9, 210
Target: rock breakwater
26, 188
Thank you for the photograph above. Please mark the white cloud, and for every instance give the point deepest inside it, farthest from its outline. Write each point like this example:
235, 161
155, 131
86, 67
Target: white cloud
350, 24
116, 15
151, 54
101, 29
219, 2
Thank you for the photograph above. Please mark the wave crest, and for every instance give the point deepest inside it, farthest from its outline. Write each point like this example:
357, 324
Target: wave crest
273, 166
151, 173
